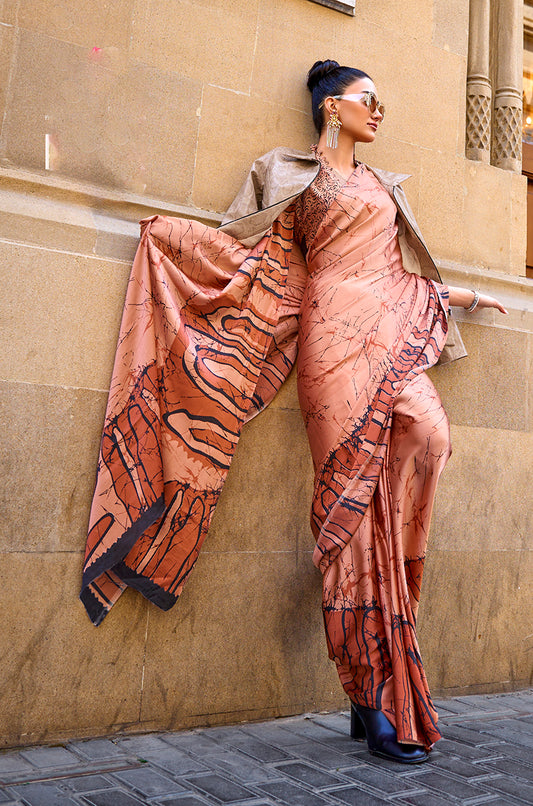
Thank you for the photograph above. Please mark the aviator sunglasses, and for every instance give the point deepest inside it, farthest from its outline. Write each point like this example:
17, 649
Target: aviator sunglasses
368, 97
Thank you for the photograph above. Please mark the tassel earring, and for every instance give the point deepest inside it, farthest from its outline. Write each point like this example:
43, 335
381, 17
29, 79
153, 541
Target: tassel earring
332, 129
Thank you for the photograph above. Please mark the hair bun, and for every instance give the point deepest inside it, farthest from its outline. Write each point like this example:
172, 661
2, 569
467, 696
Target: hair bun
318, 71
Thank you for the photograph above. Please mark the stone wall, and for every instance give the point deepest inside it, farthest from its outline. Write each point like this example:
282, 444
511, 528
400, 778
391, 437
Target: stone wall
113, 111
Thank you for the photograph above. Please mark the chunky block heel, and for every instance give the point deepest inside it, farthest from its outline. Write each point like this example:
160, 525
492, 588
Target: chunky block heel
357, 728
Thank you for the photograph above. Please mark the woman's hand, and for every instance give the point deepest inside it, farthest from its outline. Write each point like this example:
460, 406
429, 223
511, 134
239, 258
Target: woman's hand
490, 302
465, 298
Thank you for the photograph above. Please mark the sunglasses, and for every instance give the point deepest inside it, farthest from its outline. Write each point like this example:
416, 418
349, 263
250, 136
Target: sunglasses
369, 98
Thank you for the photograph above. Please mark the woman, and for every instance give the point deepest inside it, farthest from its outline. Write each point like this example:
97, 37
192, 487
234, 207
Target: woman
314, 248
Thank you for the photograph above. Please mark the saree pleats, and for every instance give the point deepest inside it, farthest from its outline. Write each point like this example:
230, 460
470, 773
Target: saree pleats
207, 336
372, 590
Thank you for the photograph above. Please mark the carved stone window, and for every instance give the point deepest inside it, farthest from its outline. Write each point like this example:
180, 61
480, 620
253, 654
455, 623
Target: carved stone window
346, 6
493, 87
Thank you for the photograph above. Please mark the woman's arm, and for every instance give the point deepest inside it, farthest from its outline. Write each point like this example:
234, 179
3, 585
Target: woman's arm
466, 298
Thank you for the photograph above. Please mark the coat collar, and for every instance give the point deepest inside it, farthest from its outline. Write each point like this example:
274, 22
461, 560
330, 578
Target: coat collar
388, 178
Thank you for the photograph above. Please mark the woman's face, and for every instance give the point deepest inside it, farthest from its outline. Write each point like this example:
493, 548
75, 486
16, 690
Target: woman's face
356, 118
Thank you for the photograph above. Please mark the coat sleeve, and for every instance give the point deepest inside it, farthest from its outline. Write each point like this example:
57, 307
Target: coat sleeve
249, 198
274, 180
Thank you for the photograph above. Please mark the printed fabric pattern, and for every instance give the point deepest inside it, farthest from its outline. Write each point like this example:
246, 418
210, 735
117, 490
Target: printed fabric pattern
207, 337
379, 438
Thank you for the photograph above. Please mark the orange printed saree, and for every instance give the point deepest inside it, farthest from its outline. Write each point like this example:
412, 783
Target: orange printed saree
378, 435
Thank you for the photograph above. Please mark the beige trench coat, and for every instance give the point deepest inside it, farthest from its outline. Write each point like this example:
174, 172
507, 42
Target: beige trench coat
277, 178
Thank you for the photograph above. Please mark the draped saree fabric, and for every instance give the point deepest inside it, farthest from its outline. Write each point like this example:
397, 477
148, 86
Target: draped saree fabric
378, 435
208, 335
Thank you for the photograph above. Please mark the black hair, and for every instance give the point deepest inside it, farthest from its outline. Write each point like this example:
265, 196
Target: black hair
328, 78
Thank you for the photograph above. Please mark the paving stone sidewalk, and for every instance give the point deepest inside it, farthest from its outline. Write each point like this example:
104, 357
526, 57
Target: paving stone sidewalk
486, 757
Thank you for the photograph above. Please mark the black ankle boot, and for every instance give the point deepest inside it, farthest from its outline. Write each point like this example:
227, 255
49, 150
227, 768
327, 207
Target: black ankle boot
381, 737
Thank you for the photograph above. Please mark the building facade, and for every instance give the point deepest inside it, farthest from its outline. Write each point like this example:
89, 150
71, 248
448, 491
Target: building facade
114, 111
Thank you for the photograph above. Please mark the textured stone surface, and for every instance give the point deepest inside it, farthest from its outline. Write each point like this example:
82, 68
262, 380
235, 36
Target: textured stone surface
92, 24
279, 27
60, 677
518, 224
489, 388
149, 782
441, 188
163, 105
487, 216
415, 17
221, 109
485, 595
478, 767
7, 50
499, 519
528, 380
75, 342
206, 41
102, 116
450, 26
265, 505
46, 757
217, 635
436, 94
48, 458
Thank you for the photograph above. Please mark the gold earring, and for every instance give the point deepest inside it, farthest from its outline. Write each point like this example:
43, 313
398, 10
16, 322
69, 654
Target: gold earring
332, 129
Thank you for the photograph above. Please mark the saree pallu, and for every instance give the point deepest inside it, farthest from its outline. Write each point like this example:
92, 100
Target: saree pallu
378, 435
208, 335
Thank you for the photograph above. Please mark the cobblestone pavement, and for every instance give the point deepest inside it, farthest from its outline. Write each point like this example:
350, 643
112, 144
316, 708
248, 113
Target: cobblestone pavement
486, 757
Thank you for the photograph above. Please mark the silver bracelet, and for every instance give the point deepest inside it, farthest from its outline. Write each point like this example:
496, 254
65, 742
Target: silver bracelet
474, 302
